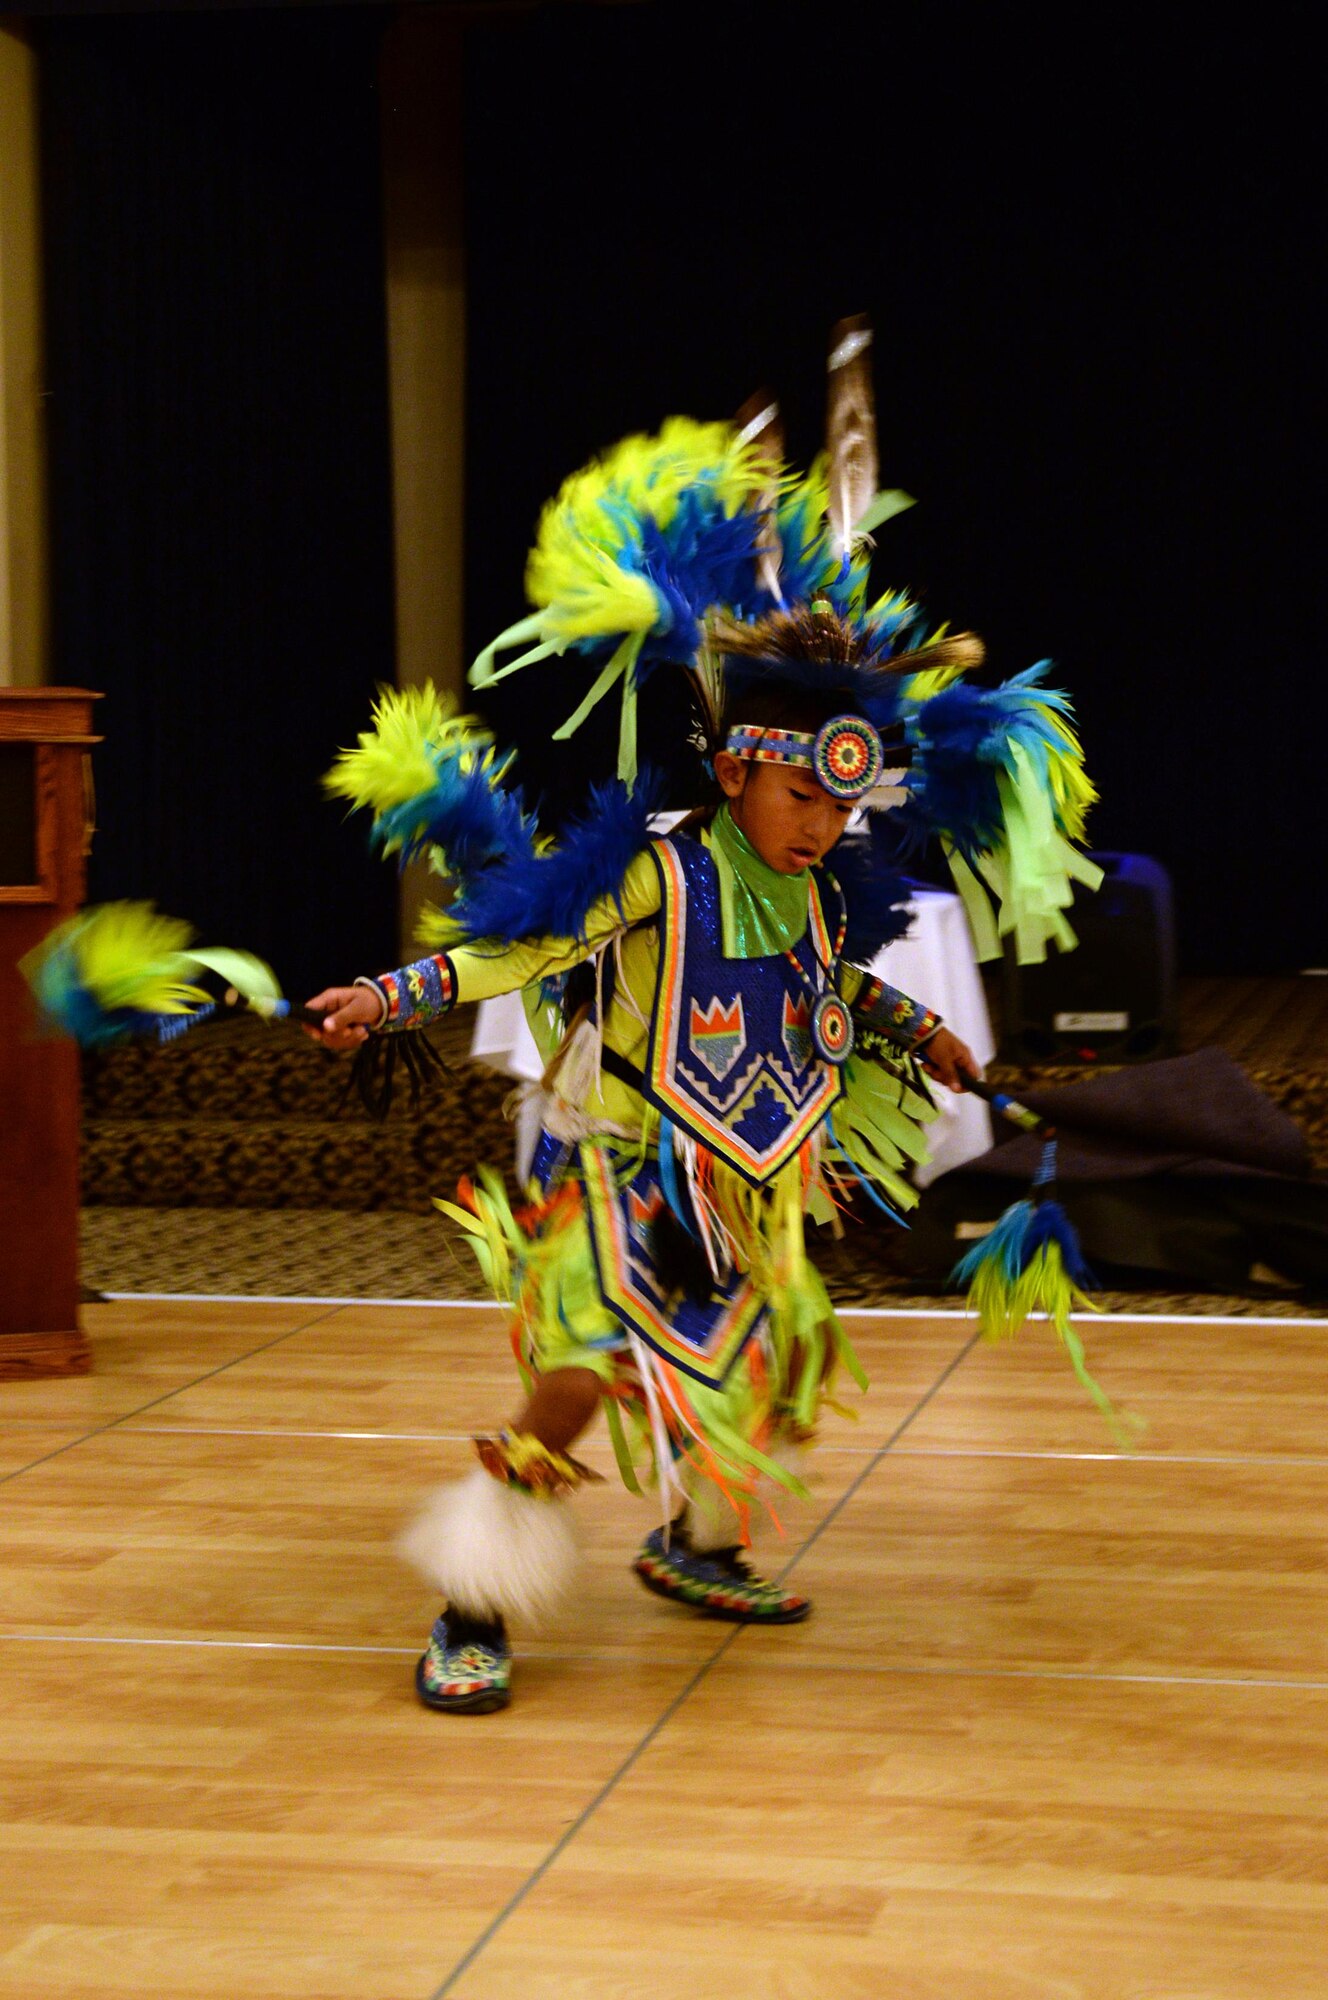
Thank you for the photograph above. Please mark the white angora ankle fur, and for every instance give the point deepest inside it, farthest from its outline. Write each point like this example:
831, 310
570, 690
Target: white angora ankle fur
492, 1549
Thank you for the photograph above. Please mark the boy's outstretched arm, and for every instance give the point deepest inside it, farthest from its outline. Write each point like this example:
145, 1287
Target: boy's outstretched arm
417, 994
910, 1026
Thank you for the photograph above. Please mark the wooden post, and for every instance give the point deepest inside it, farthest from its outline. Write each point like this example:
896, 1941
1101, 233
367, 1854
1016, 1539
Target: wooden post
45, 826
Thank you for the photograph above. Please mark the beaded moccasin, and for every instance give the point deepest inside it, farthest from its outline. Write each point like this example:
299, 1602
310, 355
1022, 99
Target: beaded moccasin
716, 1582
466, 1667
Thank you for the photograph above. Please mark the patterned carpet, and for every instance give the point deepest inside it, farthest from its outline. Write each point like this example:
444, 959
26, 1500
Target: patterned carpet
328, 1253
234, 1162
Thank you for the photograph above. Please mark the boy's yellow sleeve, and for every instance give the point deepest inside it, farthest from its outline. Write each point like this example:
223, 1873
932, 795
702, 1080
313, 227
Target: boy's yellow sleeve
417, 994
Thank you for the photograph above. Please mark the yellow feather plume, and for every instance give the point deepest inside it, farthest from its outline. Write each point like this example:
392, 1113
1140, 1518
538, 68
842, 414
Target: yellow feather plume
573, 575
1071, 787
396, 759
128, 955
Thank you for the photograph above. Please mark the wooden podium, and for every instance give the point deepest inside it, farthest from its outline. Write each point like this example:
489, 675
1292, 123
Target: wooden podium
45, 827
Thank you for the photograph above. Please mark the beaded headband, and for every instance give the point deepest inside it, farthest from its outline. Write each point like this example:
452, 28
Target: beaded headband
845, 755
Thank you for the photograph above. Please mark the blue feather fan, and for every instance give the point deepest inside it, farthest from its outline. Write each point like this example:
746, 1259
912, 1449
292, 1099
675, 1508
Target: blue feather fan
551, 894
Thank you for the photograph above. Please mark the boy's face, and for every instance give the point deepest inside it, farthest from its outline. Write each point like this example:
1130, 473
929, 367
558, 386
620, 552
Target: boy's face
790, 820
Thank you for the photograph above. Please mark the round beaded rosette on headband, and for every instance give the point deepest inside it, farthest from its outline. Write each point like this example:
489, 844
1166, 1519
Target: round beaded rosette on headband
845, 755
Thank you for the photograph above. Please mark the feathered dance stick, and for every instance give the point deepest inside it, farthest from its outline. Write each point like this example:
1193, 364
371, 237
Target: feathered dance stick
1031, 1260
116, 971
119, 972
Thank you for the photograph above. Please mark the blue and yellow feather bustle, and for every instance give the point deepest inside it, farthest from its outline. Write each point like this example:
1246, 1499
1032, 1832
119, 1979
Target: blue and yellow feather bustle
999, 780
663, 548
641, 545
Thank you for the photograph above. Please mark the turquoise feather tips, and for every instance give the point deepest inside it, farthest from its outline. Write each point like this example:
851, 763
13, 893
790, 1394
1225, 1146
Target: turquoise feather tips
1032, 1263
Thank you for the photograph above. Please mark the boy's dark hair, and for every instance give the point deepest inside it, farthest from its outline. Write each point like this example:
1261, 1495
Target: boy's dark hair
808, 636
784, 708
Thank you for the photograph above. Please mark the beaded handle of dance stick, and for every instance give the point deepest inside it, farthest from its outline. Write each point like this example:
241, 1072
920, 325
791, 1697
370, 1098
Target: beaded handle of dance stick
1008, 1107
1044, 1180
275, 1010
170, 1027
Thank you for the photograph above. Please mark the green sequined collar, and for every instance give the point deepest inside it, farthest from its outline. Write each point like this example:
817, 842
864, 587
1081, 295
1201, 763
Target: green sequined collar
761, 912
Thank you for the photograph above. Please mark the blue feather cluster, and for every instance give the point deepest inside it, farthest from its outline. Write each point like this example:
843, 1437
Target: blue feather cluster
703, 556
523, 894
870, 692
68, 1006
966, 735
876, 894
1025, 1228
470, 818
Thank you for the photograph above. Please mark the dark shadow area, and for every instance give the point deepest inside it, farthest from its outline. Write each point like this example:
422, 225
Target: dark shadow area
221, 505
1085, 254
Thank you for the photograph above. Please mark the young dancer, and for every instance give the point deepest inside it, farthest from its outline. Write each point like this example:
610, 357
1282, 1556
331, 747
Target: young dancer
720, 1063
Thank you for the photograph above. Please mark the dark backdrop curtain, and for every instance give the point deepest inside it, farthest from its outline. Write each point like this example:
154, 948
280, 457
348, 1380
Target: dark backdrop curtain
220, 468
1085, 251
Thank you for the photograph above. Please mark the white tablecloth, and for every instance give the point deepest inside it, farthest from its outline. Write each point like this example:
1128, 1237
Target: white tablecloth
934, 964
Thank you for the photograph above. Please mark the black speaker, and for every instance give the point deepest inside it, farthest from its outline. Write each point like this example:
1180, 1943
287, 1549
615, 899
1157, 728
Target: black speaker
1112, 999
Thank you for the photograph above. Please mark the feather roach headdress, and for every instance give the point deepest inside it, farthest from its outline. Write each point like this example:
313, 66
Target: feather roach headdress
701, 549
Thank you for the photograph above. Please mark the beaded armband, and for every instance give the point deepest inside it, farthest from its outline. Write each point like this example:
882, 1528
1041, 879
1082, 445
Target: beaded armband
885, 1011
416, 994
515, 1458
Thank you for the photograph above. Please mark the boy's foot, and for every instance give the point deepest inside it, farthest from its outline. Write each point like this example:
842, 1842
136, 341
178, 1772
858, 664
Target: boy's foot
717, 1583
466, 1667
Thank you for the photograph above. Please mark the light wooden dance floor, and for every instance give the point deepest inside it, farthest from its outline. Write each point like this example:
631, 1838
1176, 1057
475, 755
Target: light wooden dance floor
1057, 1731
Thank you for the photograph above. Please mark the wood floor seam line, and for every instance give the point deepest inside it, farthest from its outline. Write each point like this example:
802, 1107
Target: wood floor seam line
215, 1645
587, 1813
341, 1302
155, 1402
855, 1485
661, 1722
771, 1663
